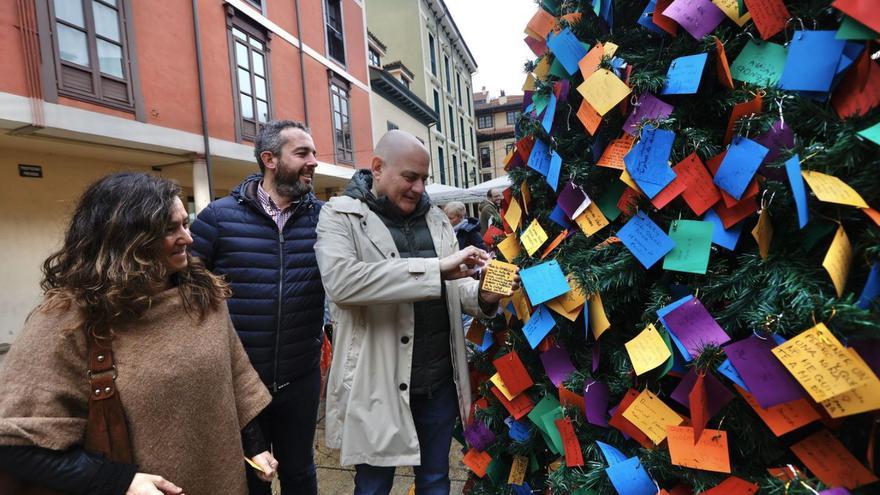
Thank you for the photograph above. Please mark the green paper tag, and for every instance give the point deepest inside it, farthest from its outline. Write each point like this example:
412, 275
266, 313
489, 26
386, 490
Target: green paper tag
497, 472
549, 420
759, 63
607, 201
540, 102
558, 70
671, 361
693, 241
872, 133
851, 29
551, 6
547, 404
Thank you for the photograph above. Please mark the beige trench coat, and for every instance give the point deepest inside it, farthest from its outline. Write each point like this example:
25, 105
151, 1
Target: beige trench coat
371, 291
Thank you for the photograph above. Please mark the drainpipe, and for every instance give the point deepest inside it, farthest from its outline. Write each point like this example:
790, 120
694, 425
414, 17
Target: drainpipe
302, 65
202, 105
431, 150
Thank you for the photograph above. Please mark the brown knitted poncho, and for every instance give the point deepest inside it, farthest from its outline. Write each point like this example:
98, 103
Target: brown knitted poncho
186, 385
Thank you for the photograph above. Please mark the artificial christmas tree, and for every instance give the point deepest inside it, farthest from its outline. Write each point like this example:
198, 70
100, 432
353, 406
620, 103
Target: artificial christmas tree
691, 218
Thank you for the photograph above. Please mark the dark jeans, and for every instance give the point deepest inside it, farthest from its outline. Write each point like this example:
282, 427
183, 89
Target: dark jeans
434, 417
289, 426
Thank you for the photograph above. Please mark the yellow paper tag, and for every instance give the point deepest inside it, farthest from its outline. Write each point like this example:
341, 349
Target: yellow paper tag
629, 181
598, 320
838, 260
830, 189
591, 220
529, 84
609, 49
543, 68
557, 306
513, 214
496, 379
254, 465
651, 415
763, 233
525, 194
518, 470
731, 10
509, 247
574, 298
647, 350
603, 90
534, 237
819, 362
858, 400
521, 304
499, 277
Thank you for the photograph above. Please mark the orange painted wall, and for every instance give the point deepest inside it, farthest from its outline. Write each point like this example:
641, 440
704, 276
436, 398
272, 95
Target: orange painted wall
12, 77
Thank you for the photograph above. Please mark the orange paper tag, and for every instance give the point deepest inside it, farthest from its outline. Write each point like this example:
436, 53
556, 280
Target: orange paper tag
733, 486
783, 418
590, 62
624, 426
741, 110
571, 399
478, 462
722, 67
554, 243
829, 461
710, 453
699, 406
700, 193
476, 332
613, 155
573, 455
518, 407
589, 117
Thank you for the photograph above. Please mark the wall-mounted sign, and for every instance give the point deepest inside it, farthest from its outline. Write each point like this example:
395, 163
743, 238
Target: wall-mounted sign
35, 171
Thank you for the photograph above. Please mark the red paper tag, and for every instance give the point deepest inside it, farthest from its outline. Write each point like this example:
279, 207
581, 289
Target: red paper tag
629, 201
701, 193
571, 399
524, 147
663, 22
828, 459
489, 236
733, 486
770, 16
670, 192
859, 91
699, 407
741, 110
513, 373
478, 462
518, 407
731, 216
573, 455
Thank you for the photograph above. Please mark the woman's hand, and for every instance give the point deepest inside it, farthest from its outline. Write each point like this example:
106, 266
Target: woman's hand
268, 464
148, 484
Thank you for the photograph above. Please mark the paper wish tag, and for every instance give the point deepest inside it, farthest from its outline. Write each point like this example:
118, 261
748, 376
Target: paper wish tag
630, 478
709, 453
760, 64
648, 107
828, 460
684, 75
647, 350
499, 277
544, 281
571, 446
645, 240
612, 156
860, 11
518, 470
518, 407
533, 237
477, 461
871, 133
830, 189
859, 400
479, 436
540, 24
648, 161
589, 117
821, 364
742, 160
612, 455
838, 260
763, 234
510, 247
700, 192
603, 90
651, 415
693, 242
731, 9
766, 378
557, 365
515, 376
697, 17
694, 327
573, 200
539, 325
513, 214
596, 402
812, 61
733, 486
770, 16
567, 49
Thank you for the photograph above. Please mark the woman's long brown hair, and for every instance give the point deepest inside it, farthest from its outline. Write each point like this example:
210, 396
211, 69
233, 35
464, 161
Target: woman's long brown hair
109, 268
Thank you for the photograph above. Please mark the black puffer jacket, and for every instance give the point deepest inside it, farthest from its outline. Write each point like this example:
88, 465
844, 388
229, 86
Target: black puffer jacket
277, 303
468, 234
431, 361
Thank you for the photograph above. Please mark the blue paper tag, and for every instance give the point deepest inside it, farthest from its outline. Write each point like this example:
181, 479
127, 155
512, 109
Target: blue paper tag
555, 168
549, 113
726, 368
661, 315
538, 326
648, 161
872, 287
726, 238
684, 75
612, 455
742, 160
539, 159
630, 478
813, 57
645, 240
646, 18
793, 169
567, 49
518, 430
544, 282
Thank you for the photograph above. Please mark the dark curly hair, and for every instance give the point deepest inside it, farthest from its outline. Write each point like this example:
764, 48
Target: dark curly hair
108, 267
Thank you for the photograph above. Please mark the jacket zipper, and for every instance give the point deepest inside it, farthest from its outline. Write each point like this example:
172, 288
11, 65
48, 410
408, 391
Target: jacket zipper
278, 316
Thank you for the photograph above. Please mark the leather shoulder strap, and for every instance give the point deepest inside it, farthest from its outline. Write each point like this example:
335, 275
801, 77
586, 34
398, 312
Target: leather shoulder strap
107, 428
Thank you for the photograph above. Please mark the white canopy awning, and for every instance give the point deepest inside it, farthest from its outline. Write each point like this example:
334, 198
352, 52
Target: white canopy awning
473, 194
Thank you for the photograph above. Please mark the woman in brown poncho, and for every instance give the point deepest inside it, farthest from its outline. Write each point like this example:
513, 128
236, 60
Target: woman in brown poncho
187, 387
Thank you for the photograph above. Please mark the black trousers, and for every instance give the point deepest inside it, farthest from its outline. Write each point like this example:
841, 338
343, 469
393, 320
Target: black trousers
289, 426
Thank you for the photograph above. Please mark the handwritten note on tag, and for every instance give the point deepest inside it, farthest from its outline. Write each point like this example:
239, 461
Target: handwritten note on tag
591, 220
700, 193
759, 63
534, 237
861, 399
603, 90
830, 189
515, 376
821, 364
697, 17
612, 156
510, 247
651, 415
838, 260
684, 74
647, 350
499, 277
709, 453
571, 446
589, 117
828, 460
769, 16
518, 470
645, 239
693, 241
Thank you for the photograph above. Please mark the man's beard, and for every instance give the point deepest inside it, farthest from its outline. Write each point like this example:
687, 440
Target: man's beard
287, 183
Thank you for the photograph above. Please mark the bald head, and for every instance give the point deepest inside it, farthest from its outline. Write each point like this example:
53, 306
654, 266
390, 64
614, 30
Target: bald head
400, 168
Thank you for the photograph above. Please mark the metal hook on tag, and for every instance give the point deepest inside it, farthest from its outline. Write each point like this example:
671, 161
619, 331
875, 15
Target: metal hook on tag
756, 334
587, 388
779, 101
568, 118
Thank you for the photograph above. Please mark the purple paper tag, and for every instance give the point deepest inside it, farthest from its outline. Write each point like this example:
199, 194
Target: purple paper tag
835, 491
557, 364
596, 401
596, 353
571, 198
561, 89
694, 327
697, 17
717, 395
869, 350
479, 436
767, 379
778, 138
648, 107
